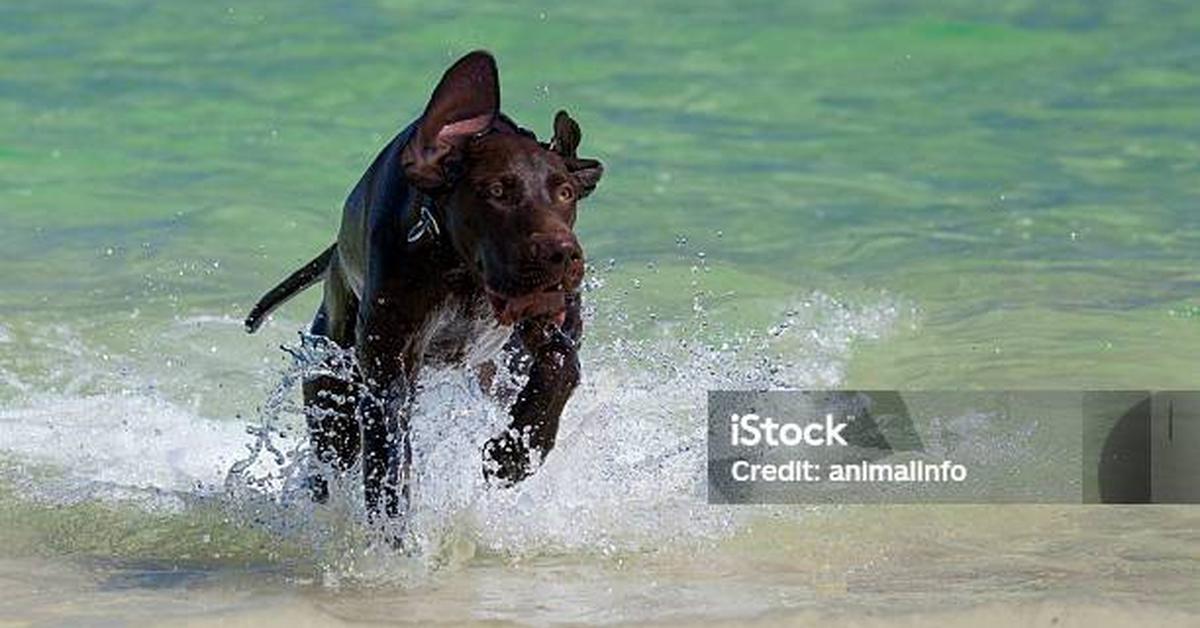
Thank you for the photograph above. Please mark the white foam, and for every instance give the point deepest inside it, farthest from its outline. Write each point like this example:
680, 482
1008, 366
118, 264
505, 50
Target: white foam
119, 445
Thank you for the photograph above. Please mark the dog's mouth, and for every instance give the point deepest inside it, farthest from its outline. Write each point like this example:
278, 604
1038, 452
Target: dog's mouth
549, 301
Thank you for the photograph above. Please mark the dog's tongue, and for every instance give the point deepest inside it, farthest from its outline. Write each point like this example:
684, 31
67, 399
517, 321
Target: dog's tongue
510, 310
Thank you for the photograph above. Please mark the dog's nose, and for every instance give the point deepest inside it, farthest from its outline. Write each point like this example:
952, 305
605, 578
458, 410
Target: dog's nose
565, 251
559, 249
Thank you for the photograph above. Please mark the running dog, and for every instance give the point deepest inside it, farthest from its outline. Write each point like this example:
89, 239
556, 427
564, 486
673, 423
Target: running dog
455, 244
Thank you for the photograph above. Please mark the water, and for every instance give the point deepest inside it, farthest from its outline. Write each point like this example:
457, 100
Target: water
865, 195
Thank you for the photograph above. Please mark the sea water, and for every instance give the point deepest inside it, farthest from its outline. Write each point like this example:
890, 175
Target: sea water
870, 195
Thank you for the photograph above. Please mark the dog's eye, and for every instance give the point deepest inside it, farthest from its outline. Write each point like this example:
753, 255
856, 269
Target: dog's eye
496, 190
565, 193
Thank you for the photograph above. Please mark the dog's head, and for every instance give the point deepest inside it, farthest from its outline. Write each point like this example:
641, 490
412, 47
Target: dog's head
508, 201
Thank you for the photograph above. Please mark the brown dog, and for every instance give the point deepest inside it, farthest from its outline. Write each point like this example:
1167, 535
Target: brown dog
456, 242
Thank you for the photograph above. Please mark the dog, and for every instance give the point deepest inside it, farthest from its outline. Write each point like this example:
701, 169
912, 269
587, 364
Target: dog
456, 244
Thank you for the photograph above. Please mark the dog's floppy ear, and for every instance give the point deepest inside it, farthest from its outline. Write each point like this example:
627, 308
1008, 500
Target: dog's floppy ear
567, 135
587, 173
464, 103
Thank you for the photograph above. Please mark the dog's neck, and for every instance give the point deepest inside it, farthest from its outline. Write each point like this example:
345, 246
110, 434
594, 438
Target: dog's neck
424, 224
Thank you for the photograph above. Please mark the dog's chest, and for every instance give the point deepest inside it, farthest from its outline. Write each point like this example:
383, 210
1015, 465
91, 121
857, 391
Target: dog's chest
464, 331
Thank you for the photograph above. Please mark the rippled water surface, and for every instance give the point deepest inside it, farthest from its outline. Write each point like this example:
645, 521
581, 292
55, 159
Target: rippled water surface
866, 194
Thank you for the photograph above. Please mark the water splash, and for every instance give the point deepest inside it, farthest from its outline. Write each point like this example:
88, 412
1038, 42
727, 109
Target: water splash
628, 471
627, 475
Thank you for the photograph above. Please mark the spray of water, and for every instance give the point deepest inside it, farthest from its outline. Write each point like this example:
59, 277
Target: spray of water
627, 474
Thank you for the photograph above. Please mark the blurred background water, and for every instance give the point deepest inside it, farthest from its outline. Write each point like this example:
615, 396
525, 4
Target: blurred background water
867, 194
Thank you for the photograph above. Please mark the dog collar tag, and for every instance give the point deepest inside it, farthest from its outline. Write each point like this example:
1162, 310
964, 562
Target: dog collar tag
426, 224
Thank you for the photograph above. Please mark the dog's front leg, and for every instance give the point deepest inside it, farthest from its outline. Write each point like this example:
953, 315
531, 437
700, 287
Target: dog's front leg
553, 375
389, 367
383, 413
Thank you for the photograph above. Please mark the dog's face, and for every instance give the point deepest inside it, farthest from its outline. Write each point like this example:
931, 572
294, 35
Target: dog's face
515, 213
510, 201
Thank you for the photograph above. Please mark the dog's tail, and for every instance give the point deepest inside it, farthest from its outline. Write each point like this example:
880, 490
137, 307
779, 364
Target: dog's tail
296, 283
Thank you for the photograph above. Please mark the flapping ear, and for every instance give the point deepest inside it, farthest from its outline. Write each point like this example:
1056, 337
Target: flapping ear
587, 173
567, 135
464, 103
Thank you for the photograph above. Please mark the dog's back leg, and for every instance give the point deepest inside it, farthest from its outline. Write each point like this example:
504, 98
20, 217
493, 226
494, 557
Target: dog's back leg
329, 400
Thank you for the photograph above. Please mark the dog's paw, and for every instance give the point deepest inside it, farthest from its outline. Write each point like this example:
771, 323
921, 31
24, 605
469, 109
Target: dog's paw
505, 461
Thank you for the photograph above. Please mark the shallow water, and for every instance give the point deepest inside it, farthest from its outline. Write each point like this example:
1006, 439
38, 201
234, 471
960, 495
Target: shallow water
870, 195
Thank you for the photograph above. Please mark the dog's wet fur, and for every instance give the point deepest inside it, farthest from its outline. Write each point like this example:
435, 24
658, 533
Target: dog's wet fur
456, 244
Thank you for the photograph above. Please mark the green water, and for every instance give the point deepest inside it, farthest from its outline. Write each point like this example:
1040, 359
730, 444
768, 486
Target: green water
964, 195
1024, 175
